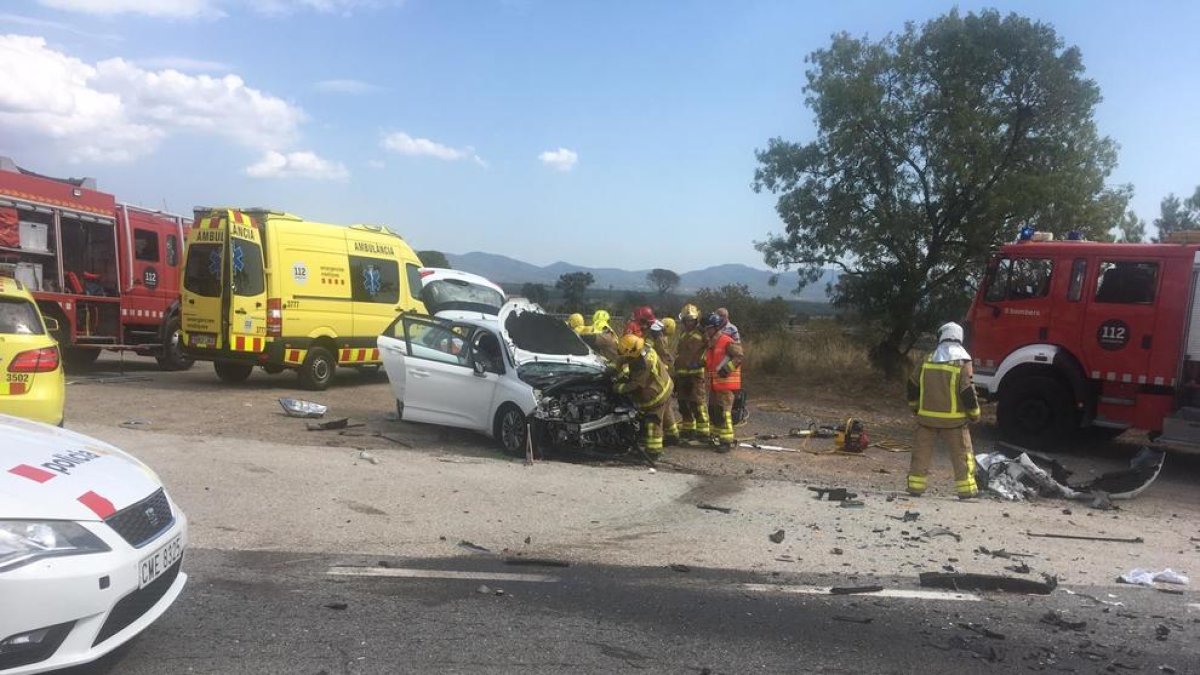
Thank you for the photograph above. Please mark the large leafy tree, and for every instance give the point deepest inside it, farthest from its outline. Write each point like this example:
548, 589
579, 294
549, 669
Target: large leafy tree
573, 285
1178, 214
663, 280
933, 146
536, 292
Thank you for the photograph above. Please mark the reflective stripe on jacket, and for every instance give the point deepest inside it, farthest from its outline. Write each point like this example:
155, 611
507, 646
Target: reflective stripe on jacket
649, 382
725, 353
943, 394
689, 353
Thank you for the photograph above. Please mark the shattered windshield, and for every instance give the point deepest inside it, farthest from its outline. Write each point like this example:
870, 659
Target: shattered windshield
541, 374
457, 294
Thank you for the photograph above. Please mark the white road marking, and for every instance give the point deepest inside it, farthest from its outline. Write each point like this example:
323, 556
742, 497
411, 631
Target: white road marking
1194, 605
885, 593
409, 573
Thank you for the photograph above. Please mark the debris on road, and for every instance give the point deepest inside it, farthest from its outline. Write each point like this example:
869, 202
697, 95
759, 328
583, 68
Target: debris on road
135, 424
1055, 618
965, 581
982, 630
711, 507
483, 590
840, 494
1019, 569
942, 532
852, 619
295, 407
367, 457
1080, 537
1001, 553
1016, 474
336, 605
1095, 599
854, 590
853, 504
908, 517
536, 562
474, 548
330, 425
676, 567
777, 536
1141, 577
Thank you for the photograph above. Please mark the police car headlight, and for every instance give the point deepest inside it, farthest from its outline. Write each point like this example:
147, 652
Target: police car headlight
24, 541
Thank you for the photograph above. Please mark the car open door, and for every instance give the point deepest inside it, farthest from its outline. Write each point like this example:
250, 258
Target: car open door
430, 366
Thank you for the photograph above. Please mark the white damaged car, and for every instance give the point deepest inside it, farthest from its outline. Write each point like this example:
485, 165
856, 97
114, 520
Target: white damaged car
503, 376
91, 547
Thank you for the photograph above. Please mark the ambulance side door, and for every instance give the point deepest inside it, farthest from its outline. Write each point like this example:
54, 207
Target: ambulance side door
247, 303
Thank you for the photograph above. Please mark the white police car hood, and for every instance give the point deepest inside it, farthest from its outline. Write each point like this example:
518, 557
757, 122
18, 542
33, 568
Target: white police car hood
532, 335
47, 473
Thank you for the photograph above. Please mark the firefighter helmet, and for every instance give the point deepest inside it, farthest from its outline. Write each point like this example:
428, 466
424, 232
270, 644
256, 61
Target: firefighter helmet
950, 332
575, 321
668, 326
630, 346
689, 312
600, 321
643, 314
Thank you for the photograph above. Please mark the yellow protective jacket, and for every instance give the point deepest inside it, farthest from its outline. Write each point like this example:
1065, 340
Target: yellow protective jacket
943, 394
689, 353
662, 347
605, 344
646, 381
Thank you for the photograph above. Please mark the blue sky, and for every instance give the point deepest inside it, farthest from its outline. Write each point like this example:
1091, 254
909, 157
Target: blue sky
614, 134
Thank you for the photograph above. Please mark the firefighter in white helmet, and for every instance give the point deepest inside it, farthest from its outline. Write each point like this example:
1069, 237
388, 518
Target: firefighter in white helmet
942, 395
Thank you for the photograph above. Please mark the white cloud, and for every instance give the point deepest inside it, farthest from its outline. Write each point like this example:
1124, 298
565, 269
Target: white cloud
299, 164
162, 9
117, 111
185, 64
401, 143
346, 87
55, 25
344, 7
561, 159
376, 163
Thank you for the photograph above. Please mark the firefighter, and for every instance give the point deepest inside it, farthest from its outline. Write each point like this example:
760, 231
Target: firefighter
690, 385
575, 321
723, 366
646, 380
942, 395
658, 338
604, 339
640, 321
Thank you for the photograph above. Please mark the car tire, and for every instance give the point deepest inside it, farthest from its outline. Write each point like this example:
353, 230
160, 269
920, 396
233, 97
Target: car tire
317, 371
510, 429
232, 372
79, 358
171, 356
1036, 411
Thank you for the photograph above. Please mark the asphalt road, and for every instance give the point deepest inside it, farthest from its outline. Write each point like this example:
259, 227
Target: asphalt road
283, 612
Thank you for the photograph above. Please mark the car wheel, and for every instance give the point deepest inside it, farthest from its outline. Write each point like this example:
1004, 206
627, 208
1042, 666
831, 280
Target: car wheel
232, 371
171, 357
1035, 411
317, 371
510, 430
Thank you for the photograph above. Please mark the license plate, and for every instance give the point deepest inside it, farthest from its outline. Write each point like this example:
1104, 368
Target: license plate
204, 340
153, 566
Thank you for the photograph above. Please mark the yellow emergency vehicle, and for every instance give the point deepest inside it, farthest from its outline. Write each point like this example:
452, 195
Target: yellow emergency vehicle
31, 375
271, 289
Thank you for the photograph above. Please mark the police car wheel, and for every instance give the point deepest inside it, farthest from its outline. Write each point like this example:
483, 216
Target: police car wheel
232, 371
510, 430
317, 371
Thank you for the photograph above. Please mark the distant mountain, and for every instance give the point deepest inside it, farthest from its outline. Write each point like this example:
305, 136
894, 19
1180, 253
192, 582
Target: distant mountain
503, 269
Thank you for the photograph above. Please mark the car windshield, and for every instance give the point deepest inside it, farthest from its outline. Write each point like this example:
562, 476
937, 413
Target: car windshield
19, 317
541, 374
458, 294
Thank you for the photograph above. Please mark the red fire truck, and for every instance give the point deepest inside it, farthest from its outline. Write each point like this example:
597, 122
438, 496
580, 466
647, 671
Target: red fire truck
1068, 335
107, 272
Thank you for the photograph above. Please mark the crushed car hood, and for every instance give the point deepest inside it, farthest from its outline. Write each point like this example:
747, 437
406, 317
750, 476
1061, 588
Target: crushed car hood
48, 473
532, 335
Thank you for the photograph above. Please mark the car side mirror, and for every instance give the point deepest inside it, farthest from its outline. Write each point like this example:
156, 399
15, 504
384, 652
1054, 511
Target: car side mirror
479, 369
51, 324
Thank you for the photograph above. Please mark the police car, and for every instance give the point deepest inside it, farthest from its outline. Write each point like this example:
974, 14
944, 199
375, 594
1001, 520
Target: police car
91, 547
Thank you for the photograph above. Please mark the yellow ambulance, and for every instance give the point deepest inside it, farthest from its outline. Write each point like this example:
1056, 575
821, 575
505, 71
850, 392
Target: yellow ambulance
270, 289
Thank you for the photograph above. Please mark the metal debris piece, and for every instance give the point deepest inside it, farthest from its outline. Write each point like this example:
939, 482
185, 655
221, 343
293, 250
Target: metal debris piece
854, 590
965, 581
853, 619
367, 457
942, 532
853, 504
777, 536
475, 548
336, 605
908, 517
330, 425
1117, 540
711, 507
295, 407
833, 494
1001, 553
676, 567
1022, 568
1055, 618
982, 630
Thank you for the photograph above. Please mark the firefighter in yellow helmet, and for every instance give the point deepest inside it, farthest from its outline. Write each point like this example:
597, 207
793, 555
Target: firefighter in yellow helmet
942, 395
690, 385
604, 339
646, 380
723, 367
575, 321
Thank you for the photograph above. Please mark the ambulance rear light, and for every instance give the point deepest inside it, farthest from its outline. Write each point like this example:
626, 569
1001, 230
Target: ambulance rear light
44, 360
274, 317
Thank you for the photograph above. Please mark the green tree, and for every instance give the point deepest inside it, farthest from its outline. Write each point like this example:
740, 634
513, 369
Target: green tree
1178, 214
1131, 229
536, 293
932, 147
573, 285
663, 280
433, 259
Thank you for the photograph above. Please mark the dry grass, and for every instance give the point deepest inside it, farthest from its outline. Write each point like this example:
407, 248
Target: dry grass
820, 354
